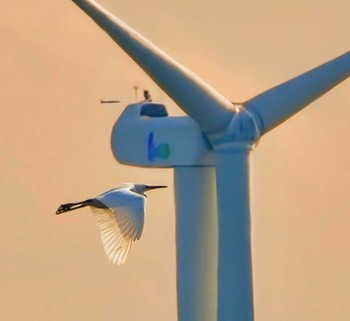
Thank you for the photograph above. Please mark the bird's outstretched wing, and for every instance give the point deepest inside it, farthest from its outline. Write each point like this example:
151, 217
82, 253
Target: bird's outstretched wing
120, 224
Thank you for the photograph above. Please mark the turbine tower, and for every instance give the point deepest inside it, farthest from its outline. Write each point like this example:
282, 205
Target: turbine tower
209, 151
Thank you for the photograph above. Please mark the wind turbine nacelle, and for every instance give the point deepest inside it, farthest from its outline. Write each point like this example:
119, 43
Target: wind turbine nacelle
144, 135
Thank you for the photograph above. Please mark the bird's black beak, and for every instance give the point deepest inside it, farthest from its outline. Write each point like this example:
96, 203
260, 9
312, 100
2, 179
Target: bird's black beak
155, 186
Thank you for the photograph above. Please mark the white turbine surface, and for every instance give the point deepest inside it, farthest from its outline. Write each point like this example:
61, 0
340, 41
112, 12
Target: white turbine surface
120, 215
232, 132
196, 241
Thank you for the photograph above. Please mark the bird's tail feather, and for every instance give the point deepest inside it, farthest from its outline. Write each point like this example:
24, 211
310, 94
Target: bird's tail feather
72, 206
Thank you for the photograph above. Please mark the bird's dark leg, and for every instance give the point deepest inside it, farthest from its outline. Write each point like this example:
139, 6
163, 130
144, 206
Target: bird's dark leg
72, 206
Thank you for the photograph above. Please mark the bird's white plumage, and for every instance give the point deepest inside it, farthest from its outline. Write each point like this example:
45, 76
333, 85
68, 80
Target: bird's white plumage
121, 222
120, 215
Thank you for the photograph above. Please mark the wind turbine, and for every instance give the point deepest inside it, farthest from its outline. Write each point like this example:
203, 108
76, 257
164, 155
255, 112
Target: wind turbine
209, 152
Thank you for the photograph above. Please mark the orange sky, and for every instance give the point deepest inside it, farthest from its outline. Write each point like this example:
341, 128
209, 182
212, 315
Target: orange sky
56, 65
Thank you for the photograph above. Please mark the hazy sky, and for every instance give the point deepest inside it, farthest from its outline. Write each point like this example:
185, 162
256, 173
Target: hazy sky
56, 65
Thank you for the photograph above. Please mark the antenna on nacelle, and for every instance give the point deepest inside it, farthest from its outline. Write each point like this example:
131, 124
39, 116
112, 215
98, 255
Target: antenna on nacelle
136, 89
109, 101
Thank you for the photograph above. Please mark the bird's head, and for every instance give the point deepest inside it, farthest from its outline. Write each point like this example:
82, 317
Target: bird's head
142, 188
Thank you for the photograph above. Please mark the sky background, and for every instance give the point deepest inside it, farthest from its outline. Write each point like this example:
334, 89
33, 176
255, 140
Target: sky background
56, 65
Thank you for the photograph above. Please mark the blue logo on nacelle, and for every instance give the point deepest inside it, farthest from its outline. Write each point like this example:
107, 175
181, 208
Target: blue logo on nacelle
161, 151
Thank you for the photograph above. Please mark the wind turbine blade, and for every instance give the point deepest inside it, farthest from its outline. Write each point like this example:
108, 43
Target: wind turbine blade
281, 102
206, 106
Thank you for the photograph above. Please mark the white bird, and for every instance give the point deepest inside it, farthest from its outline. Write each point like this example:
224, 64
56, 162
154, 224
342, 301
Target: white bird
120, 216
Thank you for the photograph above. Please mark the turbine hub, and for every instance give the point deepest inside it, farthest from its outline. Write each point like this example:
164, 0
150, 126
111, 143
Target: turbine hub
242, 131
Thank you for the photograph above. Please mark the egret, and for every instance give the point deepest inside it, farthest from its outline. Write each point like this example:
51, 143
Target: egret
120, 214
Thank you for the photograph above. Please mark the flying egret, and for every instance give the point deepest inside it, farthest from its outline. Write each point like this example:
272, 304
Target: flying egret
120, 216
